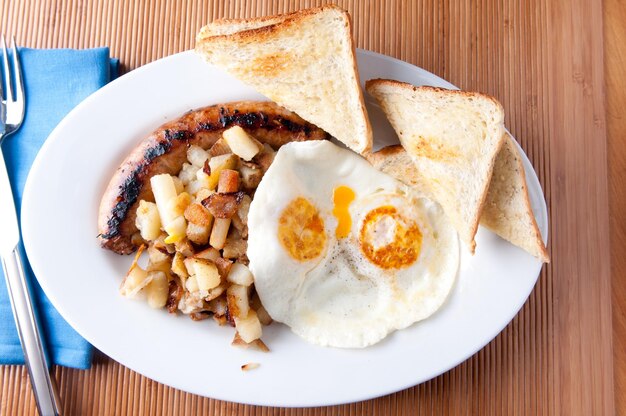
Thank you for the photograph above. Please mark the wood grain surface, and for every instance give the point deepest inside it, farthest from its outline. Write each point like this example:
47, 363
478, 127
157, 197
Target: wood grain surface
615, 62
544, 60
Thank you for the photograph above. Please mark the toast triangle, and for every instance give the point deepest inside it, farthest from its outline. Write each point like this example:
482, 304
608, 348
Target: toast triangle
304, 61
507, 210
453, 138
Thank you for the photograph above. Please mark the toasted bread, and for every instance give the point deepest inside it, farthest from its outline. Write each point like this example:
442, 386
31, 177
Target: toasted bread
507, 210
453, 137
304, 61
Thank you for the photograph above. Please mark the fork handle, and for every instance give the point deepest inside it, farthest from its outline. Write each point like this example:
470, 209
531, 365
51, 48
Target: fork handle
44, 386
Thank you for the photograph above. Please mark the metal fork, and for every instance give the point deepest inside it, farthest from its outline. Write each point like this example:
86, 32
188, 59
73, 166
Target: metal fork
11, 116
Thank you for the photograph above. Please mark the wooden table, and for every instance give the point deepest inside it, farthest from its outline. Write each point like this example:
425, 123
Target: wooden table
545, 61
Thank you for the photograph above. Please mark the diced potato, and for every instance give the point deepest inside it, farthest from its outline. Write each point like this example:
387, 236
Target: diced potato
194, 186
198, 234
249, 328
161, 245
239, 226
206, 274
263, 315
202, 176
156, 255
184, 247
158, 289
228, 181
197, 214
164, 266
136, 279
197, 155
219, 148
178, 184
257, 344
178, 266
176, 230
241, 143
189, 265
164, 190
219, 232
223, 266
250, 366
136, 239
266, 157
202, 194
191, 284
240, 275
217, 164
237, 297
250, 176
178, 205
215, 292
208, 254
218, 306
244, 208
187, 173
148, 220
235, 246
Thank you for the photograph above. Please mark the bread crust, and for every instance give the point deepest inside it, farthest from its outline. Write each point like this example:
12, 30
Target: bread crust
468, 230
165, 151
257, 30
395, 161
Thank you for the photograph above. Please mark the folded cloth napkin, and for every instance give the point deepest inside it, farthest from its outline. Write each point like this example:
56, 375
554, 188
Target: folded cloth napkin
55, 81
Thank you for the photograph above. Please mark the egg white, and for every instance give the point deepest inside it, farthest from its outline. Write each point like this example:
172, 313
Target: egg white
340, 298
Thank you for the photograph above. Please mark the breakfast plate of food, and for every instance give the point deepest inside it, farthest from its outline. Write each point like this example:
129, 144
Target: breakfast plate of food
337, 224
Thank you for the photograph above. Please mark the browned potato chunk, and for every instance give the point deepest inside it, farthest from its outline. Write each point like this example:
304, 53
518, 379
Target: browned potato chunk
240, 275
157, 255
257, 344
184, 247
242, 144
251, 176
157, 290
216, 292
219, 232
199, 215
249, 328
198, 234
205, 272
178, 266
220, 148
237, 297
228, 181
235, 246
208, 254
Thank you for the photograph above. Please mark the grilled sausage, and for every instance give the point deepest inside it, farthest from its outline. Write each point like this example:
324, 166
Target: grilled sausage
165, 151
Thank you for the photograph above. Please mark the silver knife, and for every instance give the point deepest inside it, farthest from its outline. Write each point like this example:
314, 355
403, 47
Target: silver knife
44, 387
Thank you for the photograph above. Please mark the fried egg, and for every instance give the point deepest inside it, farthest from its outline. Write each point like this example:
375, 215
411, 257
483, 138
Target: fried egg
342, 253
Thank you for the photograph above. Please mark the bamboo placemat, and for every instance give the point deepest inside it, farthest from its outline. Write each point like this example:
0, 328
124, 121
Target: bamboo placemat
544, 61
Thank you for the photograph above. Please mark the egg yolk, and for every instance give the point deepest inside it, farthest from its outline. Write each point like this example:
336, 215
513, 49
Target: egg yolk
389, 240
301, 230
342, 198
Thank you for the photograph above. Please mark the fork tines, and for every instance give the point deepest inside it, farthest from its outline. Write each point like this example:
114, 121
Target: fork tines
13, 100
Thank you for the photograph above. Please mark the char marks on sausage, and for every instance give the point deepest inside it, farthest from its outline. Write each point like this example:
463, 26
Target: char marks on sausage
165, 151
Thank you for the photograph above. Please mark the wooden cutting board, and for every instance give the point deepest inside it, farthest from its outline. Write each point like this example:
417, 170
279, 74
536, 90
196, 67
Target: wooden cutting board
544, 61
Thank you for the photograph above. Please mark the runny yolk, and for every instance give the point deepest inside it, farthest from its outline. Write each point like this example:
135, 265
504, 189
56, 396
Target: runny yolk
342, 198
390, 240
301, 230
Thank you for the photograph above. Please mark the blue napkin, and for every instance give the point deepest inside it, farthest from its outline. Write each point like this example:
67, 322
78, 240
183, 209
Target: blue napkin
55, 81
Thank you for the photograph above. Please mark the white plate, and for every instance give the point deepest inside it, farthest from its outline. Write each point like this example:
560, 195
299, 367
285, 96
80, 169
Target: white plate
81, 279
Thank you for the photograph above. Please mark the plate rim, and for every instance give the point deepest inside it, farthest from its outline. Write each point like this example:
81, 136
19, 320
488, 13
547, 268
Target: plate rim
530, 175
